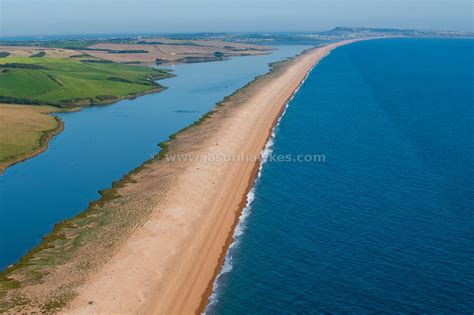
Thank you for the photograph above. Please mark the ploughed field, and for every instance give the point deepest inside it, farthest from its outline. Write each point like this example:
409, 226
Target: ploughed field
135, 51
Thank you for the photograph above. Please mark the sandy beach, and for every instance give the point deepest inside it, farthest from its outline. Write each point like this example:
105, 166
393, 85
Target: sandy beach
168, 265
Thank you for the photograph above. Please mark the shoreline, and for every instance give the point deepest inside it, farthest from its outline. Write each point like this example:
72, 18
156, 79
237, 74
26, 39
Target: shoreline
228, 242
246, 202
151, 226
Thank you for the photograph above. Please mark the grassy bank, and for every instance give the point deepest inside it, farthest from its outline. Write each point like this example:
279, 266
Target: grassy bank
73, 83
25, 131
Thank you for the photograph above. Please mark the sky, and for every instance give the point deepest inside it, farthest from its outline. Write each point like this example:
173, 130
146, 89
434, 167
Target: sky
48, 17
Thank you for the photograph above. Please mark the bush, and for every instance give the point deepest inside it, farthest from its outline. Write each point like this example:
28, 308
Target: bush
218, 54
140, 51
23, 66
117, 79
38, 54
14, 100
97, 61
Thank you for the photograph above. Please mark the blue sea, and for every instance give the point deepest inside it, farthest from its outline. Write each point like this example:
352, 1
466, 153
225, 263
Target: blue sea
385, 223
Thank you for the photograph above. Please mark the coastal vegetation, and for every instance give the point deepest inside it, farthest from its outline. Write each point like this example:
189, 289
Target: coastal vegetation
196, 59
72, 83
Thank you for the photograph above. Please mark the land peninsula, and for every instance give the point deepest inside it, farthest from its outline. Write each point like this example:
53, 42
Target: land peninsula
155, 241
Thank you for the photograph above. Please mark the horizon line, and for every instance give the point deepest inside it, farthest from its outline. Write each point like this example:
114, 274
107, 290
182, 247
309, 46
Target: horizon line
146, 33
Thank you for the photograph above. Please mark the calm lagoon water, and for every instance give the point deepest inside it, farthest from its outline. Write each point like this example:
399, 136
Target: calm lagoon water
386, 224
100, 144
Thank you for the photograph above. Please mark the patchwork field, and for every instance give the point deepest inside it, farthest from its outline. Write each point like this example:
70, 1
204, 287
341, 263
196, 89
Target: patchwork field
145, 51
161, 50
29, 51
70, 83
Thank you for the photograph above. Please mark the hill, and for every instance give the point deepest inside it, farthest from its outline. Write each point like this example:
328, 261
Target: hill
72, 83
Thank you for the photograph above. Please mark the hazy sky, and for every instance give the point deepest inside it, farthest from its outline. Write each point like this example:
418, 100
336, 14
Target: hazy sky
38, 17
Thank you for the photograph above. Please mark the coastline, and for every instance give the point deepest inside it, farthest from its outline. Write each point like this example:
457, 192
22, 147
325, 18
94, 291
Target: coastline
245, 205
178, 242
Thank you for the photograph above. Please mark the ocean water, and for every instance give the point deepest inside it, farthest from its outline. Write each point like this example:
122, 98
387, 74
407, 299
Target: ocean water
386, 223
101, 144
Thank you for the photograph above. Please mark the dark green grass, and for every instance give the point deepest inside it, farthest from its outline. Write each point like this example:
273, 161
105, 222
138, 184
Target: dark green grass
68, 82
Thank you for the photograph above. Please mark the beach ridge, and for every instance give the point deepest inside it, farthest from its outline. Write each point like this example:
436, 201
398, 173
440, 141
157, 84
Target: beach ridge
184, 280
245, 199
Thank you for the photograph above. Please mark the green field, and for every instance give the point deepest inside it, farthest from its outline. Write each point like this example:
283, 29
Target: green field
69, 82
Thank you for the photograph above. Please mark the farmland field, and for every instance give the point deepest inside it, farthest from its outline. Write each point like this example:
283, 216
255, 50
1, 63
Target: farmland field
70, 83
25, 131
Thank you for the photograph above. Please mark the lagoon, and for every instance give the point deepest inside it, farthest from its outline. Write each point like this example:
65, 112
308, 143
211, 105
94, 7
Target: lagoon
101, 144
